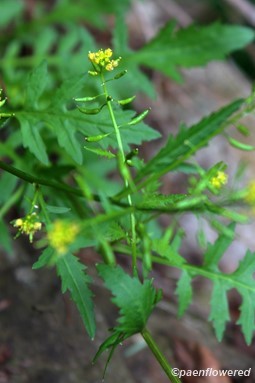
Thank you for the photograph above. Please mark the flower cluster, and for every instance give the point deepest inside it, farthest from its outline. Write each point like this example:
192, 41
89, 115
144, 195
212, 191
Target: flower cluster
62, 234
250, 194
219, 179
102, 60
28, 225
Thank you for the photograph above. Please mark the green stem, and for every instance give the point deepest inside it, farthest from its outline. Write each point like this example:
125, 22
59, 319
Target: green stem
40, 181
235, 201
43, 207
126, 182
159, 356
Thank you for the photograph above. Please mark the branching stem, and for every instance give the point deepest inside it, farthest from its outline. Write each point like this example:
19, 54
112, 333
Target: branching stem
126, 181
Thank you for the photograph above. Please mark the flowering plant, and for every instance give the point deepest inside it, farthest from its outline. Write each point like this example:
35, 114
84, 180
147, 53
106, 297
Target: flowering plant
88, 131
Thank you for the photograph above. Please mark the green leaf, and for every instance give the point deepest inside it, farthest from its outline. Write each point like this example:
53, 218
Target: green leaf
31, 137
55, 116
45, 259
5, 239
215, 251
184, 292
7, 186
242, 279
35, 85
166, 250
74, 279
9, 10
135, 80
134, 299
190, 47
187, 142
219, 308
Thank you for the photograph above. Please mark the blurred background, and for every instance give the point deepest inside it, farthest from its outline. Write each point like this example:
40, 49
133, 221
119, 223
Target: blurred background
42, 338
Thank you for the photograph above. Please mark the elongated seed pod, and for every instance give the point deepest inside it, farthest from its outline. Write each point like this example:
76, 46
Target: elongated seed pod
96, 138
90, 111
240, 145
85, 99
120, 74
126, 100
2, 102
139, 118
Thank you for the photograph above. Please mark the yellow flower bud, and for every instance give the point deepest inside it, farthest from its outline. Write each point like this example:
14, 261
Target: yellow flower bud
219, 179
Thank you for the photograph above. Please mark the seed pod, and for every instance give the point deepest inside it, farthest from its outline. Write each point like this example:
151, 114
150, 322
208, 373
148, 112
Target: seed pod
2, 102
243, 129
90, 111
85, 99
126, 100
96, 138
139, 118
240, 145
120, 74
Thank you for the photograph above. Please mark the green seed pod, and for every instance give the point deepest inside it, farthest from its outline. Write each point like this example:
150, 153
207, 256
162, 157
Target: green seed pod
126, 100
240, 145
139, 118
2, 102
90, 111
85, 99
120, 74
243, 130
96, 138
92, 73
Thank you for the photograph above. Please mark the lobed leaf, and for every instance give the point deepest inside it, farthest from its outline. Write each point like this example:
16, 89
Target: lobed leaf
135, 300
187, 142
190, 47
74, 279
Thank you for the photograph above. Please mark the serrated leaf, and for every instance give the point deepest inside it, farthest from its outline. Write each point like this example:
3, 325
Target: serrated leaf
134, 299
215, 251
242, 279
35, 85
135, 80
187, 142
166, 250
74, 279
45, 259
219, 308
246, 319
190, 47
33, 121
31, 137
184, 292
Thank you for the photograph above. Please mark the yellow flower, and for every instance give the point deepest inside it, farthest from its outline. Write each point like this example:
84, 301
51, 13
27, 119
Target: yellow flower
219, 179
62, 234
28, 225
250, 195
101, 59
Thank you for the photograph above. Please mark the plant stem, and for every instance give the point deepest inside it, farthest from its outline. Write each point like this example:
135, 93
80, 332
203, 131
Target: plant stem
159, 356
126, 182
40, 181
43, 207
